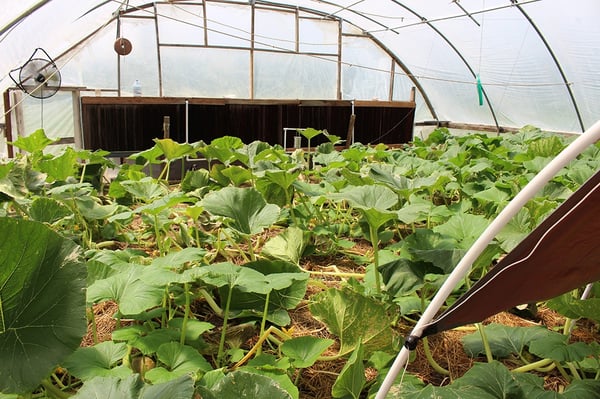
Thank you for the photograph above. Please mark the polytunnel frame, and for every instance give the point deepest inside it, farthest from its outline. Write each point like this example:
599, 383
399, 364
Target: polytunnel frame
546, 44
379, 43
121, 12
556, 62
455, 49
429, 23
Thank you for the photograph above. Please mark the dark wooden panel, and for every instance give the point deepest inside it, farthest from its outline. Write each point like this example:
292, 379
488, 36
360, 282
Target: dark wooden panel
130, 124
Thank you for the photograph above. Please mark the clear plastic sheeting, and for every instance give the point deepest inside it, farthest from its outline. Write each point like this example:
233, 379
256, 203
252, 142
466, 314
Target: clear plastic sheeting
185, 72
537, 60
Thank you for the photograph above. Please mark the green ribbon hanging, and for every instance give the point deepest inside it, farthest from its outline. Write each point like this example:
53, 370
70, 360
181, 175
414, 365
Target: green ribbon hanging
479, 90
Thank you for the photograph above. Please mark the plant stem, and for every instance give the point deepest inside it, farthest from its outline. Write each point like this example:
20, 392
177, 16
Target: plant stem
258, 344
573, 370
289, 200
220, 354
211, 302
568, 327
106, 244
263, 322
336, 274
237, 247
562, 371
82, 173
375, 245
163, 321
53, 391
439, 369
486, 343
534, 366
3, 326
329, 358
57, 381
250, 248
165, 171
186, 312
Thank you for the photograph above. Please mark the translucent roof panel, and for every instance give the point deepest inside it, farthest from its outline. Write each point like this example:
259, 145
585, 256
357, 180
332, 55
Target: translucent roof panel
536, 60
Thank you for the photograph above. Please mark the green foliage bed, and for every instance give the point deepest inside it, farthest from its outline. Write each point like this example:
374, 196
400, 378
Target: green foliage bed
205, 272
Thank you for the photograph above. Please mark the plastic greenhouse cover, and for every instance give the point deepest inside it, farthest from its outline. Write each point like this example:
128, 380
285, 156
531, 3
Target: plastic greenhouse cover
537, 60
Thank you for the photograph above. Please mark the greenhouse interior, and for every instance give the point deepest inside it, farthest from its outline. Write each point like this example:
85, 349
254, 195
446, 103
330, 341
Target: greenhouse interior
300, 199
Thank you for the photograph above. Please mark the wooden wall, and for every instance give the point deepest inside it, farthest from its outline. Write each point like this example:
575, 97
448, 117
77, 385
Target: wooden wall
130, 123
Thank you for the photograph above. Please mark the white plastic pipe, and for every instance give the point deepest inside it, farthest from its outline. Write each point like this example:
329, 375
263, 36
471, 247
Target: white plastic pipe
588, 138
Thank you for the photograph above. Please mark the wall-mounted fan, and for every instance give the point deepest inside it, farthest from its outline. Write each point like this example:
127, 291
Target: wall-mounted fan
39, 77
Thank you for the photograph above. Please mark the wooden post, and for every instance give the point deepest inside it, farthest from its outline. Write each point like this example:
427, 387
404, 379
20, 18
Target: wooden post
8, 124
166, 127
77, 133
350, 133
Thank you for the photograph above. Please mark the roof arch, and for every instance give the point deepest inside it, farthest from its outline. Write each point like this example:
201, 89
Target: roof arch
536, 59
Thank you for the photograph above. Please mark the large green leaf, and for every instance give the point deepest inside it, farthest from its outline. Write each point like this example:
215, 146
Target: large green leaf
245, 207
285, 283
134, 388
368, 197
438, 249
516, 230
464, 228
354, 319
244, 385
42, 302
554, 346
287, 246
223, 149
492, 378
99, 360
376, 218
152, 155
404, 276
60, 167
48, 210
422, 210
90, 208
177, 259
351, 380
36, 141
146, 189
227, 274
178, 360
273, 371
575, 308
504, 340
304, 351
310, 132
173, 150
482, 381
494, 381
444, 392
276, 186
132, 294
237, 174
195, 179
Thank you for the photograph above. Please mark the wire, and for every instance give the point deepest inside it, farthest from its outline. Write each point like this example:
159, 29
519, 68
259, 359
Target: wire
390, 130
428, 21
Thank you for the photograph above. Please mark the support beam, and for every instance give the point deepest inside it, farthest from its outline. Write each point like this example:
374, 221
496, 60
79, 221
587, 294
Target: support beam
8, 124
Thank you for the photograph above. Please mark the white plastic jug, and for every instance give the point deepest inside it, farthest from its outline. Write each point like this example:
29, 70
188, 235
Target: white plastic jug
137, 88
